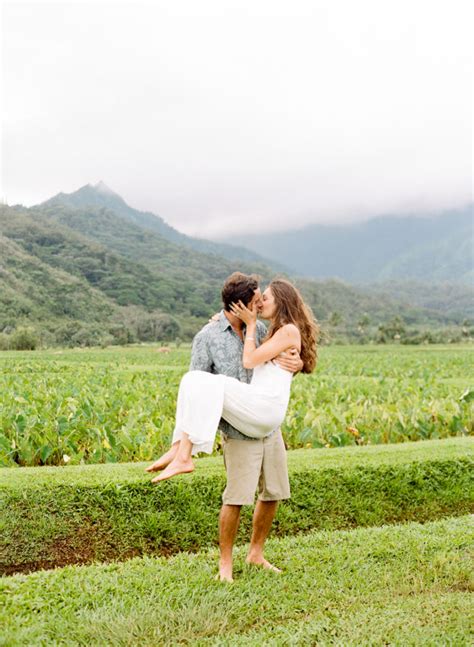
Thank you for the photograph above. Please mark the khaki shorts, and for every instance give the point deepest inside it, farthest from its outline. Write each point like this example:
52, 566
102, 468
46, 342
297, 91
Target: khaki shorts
252, 464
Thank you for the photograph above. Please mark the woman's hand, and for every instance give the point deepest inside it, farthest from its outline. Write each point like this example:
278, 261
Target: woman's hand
242, 312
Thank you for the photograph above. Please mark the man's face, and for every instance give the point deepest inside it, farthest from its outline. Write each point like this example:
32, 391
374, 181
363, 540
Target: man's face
257, 300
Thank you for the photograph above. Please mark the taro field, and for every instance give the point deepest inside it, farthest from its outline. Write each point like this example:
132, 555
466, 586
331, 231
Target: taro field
117, 404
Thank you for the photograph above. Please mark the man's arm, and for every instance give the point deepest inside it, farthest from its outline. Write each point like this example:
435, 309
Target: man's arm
200, 356
290, 361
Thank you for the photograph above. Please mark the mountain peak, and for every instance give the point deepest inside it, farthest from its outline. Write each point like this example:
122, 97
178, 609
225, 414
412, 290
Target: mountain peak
91, 195
98, 193
94, 190
101, 187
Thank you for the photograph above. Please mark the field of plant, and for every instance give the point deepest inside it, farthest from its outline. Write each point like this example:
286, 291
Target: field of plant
111, 405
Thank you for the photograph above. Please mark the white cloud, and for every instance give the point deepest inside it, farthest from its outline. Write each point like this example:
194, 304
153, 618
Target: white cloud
222, 116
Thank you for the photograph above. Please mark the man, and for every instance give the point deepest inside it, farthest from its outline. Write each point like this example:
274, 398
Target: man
250, 463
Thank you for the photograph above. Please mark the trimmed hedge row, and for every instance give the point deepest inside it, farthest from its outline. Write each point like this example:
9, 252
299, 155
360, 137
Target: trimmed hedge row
56, 516
396, 585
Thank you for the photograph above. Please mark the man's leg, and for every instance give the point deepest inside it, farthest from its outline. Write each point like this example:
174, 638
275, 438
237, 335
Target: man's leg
229, 520
243, 461
273, 487
262, 522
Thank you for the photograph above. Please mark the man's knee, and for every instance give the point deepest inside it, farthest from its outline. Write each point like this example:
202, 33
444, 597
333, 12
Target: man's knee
265, 510
230, 510
267, 505
229, 516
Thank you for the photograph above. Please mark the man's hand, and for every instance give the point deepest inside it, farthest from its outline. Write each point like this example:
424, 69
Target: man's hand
290, 361
215, 318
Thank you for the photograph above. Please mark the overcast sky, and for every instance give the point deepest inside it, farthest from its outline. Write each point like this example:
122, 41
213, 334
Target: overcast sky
241, 116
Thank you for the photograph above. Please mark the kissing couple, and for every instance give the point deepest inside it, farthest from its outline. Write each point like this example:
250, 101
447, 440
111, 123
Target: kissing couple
239, 381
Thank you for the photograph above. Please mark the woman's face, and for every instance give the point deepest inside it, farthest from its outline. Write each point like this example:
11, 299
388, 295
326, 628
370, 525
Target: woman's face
268, 304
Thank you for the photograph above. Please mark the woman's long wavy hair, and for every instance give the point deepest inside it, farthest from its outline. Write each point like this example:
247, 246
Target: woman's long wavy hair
290, 308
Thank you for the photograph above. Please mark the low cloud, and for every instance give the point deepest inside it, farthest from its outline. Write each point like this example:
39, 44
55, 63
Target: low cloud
225, 118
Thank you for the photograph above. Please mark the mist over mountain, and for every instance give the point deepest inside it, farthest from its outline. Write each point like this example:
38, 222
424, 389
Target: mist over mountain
438, 248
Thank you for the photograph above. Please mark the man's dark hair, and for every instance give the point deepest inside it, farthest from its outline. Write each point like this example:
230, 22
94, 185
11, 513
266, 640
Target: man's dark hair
239, 287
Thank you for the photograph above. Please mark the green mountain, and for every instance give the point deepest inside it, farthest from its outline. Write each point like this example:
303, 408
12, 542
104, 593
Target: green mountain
128, 266
171, 262
438, 248
87, 274
91, 197
351, 303
30, 286
453, 299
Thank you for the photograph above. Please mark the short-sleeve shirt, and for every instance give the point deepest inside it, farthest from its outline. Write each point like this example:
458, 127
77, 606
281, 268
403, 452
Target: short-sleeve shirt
217, 348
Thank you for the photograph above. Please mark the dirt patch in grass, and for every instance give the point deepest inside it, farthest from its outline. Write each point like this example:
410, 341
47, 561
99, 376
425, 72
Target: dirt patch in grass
88, 545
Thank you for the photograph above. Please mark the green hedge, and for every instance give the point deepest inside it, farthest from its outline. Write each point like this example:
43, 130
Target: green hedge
397, 585
55, 516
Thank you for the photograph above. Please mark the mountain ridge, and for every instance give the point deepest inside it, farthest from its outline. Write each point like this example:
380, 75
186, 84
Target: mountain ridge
101, 195
86, 274
378, 248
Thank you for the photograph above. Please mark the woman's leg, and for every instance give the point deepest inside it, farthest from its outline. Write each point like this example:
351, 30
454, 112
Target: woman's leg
164, 460
181, 463
202, 399
198, 411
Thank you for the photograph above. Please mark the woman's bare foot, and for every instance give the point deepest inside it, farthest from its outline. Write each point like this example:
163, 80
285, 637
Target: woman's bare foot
263, 563
163, 461
174, 468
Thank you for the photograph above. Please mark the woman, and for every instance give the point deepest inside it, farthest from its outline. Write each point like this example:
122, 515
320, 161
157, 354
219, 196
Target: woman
255, 409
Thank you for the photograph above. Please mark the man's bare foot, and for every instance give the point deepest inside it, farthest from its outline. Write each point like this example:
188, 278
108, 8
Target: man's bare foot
163, 461
263, 563
225, 573
174, 468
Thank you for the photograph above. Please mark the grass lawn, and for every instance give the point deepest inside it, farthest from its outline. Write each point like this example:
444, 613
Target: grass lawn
54, 516
298, 461
399, 585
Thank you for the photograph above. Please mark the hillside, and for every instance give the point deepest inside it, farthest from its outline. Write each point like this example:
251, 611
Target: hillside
84, 275
353, 302
89, 198
130, 240
438, 248
33, 288
177, 282
454, 299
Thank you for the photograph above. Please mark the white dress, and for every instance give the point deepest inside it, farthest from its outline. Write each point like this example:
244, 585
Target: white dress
255, 409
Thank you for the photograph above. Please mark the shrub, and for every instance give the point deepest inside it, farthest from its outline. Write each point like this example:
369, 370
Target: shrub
24, 339
121, 334
91, 336
4, 341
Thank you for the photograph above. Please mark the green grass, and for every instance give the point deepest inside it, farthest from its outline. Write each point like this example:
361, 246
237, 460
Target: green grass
118, 404
55, 516
298, 460
398, 585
